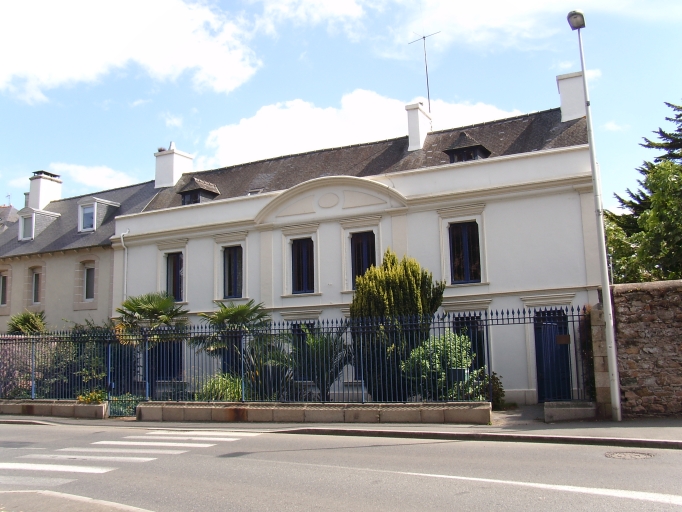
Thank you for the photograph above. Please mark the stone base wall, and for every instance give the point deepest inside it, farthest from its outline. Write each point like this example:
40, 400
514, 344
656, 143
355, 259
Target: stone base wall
648, 318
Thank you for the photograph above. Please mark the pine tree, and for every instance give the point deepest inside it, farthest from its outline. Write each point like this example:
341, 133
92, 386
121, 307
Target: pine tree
671, 142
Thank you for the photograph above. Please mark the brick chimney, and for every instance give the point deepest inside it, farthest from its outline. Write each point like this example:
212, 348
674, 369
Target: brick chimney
170, 165
418, 125
45, 188
572, 95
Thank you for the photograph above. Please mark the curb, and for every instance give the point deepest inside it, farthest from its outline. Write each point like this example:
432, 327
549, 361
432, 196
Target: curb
26, 422
663, 444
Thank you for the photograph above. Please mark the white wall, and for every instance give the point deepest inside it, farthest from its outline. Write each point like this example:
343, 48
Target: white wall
534, 227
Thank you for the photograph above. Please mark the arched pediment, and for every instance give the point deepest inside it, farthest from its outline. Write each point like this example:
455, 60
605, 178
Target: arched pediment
331, 196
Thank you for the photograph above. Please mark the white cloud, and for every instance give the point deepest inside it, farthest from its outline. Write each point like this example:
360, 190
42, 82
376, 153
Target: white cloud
98, 177
593, 74
139, 103
612, 126
171, 120
19, 182
298, 126
61, 43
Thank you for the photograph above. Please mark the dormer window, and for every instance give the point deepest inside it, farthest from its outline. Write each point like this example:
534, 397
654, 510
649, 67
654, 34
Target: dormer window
191, 197
198, 191
86, 218
26, 228
466, 148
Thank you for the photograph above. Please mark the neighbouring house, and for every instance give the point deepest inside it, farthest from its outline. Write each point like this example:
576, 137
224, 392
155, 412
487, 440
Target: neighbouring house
56, 254
502, 211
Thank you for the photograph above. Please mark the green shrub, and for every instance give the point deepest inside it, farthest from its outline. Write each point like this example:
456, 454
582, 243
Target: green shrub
27, 322
428, 366
124, 405
224, 387
96, 396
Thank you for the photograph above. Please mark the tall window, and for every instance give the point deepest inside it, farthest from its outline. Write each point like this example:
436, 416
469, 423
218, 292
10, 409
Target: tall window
89, 282
465, 255
232, 272
27, 227
35, 281
363, 254
87, 219
303, 266
3, 289
174, 275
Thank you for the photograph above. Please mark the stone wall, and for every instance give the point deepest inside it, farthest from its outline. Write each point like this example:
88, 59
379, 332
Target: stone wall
648, 318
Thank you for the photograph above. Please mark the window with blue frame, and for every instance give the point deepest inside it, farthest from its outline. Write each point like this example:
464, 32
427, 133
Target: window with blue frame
363, 254
465, 254
174, 273
232, 272
303, 266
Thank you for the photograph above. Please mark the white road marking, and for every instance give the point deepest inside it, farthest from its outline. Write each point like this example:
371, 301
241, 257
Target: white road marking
668, 499
85, 499
58, 456
142, 443
123, 450
231, 433
34, 481
184, 438
54, 467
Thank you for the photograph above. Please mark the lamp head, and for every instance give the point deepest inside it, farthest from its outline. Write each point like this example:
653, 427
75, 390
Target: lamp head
576, 19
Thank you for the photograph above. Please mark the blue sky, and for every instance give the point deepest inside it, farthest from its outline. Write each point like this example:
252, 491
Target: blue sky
90, 90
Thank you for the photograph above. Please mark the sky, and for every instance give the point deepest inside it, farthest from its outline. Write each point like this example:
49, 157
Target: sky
91, 89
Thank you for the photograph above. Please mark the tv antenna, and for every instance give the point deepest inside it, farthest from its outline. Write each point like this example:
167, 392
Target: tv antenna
426, 64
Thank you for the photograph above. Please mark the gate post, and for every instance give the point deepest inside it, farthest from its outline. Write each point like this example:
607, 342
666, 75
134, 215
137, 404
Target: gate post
602, 385
33, 369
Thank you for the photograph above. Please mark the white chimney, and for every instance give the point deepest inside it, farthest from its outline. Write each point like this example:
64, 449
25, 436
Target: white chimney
572, 95
170, 165
418, 125
45, 188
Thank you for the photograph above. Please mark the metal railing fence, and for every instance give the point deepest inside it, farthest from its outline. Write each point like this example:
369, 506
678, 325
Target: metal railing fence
444, 358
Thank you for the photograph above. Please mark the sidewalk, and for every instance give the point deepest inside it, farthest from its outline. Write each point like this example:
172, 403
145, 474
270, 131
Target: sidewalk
524, 424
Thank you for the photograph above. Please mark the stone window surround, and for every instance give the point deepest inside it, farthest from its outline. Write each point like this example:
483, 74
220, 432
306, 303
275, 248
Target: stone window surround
164, 249
223, 240
358, 225
289, 234
6, 270
79, 301
453, 215
37, 267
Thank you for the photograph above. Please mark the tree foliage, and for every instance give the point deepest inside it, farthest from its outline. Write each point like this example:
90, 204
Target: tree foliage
249, 314
396, 289
645, 242
27, 322
152, 310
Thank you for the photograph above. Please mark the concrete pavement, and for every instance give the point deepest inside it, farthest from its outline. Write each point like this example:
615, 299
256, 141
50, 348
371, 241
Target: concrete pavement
524, 424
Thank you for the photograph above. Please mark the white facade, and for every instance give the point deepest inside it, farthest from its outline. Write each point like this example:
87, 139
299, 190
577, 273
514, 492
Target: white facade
536, 226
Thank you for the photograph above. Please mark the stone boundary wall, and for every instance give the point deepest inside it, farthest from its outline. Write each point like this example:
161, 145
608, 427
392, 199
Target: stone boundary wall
648, 318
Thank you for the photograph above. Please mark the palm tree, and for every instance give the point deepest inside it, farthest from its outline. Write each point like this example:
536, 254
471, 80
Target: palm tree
27, 322
151, 310
250, 314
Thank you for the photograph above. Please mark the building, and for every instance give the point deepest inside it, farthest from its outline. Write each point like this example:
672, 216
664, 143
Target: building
56, 254
501, 211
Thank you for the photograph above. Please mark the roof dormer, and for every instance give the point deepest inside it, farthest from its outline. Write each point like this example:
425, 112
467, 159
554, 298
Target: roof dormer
466, 148
198, 191
32, 222
92, 211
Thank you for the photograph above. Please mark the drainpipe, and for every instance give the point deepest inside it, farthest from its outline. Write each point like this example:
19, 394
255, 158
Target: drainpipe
125, 265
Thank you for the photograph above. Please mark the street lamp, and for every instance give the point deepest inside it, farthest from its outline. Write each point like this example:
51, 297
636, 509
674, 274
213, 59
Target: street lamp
576, 20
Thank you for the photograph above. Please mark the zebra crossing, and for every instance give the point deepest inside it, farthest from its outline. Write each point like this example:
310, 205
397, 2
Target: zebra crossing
108, 455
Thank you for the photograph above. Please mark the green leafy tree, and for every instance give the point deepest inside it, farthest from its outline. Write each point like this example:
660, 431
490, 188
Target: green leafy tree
391, 310
644, 242
250, 314
27, 322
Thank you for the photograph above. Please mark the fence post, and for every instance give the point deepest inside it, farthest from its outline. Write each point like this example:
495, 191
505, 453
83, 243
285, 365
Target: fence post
33, 369
362, 370
146, 367
241, 358
109, 383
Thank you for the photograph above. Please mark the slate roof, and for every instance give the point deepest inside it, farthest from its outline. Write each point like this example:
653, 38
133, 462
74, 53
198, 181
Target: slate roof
522, 134
62, 234
464, 140
197, 184
8, 215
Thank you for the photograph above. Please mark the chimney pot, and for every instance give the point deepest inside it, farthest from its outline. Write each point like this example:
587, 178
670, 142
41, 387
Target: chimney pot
45, 188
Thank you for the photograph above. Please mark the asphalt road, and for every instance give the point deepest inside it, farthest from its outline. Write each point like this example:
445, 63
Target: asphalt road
223, 469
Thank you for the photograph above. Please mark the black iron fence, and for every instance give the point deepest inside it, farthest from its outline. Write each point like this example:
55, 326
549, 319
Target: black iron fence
445, 358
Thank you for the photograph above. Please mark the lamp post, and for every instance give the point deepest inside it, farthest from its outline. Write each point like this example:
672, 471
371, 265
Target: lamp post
576, 20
